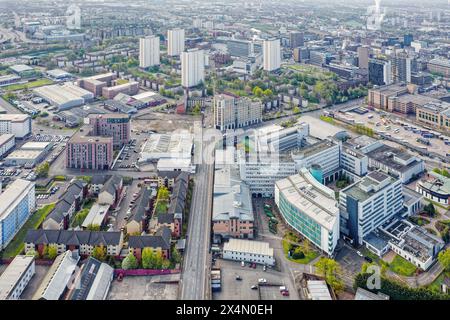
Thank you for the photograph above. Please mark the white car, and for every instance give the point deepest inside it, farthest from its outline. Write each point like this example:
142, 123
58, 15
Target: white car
359, 254
262, 280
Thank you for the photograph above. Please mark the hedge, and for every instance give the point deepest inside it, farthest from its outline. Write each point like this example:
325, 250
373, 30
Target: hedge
398, 291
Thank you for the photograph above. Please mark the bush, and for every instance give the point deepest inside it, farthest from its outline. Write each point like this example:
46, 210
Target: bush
127, 180
42, 170
130, 262
298, 254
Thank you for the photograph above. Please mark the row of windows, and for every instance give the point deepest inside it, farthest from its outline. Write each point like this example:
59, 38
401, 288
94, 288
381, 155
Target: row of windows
300, 221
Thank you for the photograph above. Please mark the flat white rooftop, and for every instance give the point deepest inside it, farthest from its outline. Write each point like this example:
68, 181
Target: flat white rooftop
321, 129
12, 275
144, 95
96, 215
16, 117
5, 138
174, 145
35, 145
318, 290
12, 195
311, 197
63, 94
248, 246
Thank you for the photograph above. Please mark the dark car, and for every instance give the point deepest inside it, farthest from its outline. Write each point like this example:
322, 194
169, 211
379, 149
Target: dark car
368, 259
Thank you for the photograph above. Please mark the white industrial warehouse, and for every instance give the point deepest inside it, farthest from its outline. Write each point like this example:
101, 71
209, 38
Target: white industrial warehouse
64, 96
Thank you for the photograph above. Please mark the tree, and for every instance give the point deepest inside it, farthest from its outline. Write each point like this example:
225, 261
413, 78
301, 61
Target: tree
99, 253
296, 110
331, 271
298, 253
32, 253
52, 251
10, 96
158, 260
257, 91
175, 256
430, 210
268, 93
131, 63
196, 110
306, 246
148, 258
79, 217
42, 170
163, 193
130, 262
444, 259
165, 264
93, 227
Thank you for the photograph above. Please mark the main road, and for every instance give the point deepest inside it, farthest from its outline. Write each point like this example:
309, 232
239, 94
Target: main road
194, 284
196, 265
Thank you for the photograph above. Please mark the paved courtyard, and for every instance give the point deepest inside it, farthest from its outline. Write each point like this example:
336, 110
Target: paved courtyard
145, 288
233, 289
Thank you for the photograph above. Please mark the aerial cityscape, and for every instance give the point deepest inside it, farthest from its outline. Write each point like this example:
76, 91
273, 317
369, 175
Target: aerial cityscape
196, 150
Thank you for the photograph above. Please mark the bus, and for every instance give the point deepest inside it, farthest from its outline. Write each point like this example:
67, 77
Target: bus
427, 135
423, 141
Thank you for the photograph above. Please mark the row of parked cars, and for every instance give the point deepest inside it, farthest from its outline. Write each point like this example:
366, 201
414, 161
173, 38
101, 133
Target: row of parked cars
50, 138
10, 172
126, 155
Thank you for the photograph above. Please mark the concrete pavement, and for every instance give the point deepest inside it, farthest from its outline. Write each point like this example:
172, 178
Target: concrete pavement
196, 265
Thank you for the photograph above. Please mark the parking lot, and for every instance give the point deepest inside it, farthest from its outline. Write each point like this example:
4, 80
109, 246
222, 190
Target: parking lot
35, 282
145, 288
350, 261
50, 137
390, 126
233, 289
121, 212
53, 194
10, 172
129, 156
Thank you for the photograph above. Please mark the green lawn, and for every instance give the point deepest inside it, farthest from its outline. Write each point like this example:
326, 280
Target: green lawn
402, 267
436, 284
16, 246
29, 85
121, 81
327, 119
312, 71
79, 217
309, 256
161, 207
88, 204
421, 221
